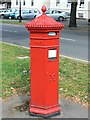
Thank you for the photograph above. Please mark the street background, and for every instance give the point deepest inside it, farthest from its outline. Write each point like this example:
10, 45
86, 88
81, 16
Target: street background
73, 42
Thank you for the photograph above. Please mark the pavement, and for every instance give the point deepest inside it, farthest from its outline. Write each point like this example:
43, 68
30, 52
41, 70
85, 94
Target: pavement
82, 26
69, 109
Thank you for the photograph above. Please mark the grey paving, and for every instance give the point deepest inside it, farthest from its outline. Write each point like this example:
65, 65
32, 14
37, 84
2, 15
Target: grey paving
69, 109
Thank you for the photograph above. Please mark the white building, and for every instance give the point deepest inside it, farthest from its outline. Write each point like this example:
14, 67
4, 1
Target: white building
83, 7
2, 6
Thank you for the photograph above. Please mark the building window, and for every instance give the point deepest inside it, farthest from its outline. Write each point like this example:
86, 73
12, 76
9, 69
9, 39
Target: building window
57, 2
68, 1
16, 2
23, 2
32, 2
81, 2
80, 15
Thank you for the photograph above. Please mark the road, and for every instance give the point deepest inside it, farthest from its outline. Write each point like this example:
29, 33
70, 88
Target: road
73, 43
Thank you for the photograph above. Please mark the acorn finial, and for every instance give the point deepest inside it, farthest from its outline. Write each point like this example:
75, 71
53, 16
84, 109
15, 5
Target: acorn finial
43, 9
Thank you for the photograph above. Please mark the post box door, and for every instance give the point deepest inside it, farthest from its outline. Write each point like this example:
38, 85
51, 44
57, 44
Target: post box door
52, 76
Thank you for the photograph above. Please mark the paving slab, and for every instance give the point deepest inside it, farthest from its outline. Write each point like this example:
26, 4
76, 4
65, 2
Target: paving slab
69, 109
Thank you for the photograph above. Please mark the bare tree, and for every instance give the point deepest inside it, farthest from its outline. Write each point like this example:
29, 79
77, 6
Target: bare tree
72, 22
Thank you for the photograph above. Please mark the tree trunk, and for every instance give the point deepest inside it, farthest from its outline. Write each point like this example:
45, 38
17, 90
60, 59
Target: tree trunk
72, 22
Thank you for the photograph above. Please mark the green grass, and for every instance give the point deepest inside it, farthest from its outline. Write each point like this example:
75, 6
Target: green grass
74, 80
73, 76
15, 72
12, 22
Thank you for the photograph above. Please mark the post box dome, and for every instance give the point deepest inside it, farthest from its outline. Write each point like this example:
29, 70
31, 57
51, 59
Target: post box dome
44, 22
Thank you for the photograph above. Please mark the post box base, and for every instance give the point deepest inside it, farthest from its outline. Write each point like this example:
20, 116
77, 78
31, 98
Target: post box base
44, 116
49, 112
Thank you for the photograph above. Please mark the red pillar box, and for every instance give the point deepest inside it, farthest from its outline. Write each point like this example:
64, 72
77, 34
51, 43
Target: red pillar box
44, 52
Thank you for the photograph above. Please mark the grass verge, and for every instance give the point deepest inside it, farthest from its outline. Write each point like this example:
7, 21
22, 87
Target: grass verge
79, 28
12, 22
73, 76
15, 71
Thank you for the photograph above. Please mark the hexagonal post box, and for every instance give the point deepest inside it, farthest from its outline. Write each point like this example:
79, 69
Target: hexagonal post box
44, 54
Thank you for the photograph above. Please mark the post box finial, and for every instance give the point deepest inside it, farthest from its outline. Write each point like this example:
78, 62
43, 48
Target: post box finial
43, 9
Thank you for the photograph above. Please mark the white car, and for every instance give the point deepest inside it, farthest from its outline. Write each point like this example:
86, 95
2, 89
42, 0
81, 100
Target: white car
2, 12
57, 14
5, 13
26, 14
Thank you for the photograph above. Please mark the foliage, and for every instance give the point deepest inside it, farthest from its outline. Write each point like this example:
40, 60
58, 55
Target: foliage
73, 75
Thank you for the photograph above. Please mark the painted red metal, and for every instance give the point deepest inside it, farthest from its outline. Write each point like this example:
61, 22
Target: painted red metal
44, 53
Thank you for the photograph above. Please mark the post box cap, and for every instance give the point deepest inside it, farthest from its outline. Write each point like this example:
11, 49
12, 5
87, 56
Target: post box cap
44, 22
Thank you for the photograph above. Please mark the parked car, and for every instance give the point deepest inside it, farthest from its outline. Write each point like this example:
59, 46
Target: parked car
35, 12
6, 13
2, 12
57, 14
27, 14
11, 15
89, 17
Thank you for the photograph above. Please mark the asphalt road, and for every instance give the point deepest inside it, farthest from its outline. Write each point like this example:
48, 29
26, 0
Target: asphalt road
73, 43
